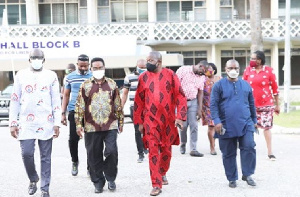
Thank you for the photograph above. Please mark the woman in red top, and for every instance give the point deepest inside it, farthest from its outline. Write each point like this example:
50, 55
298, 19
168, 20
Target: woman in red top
265, 91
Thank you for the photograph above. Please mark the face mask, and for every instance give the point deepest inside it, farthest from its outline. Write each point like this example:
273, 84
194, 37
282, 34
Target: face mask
37, 64
252, 63
209, 73
83, 72
140, 70
233, 74
151, 67
98, 74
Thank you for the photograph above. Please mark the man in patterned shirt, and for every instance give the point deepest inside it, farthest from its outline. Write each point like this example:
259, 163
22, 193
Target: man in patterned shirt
37, 90
192, 80
99, 106
158, 94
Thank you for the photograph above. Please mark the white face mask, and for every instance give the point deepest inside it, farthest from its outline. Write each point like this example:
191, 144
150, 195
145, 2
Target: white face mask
98, 74
233, 74
37, 64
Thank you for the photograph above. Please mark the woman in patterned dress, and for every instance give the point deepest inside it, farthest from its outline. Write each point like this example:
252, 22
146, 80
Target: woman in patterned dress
206, 117
265, 92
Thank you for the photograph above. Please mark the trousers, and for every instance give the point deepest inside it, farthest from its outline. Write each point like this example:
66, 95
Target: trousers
228, 147
28, 148
159, 161
192, 122
100, 168
138, 135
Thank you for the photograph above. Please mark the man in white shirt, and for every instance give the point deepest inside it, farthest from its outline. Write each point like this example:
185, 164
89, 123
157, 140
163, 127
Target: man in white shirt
36, 99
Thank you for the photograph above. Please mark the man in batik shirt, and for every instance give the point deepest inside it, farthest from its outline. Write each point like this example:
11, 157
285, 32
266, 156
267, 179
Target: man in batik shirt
99, 106
158, 95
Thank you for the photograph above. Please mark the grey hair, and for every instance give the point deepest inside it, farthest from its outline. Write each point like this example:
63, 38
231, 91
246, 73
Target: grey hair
156, 54
231, 62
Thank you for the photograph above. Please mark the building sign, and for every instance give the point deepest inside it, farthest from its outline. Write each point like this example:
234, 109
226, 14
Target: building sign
68, 47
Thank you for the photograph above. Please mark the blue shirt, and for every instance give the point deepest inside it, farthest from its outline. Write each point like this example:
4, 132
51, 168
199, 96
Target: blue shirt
232, 104
73, 83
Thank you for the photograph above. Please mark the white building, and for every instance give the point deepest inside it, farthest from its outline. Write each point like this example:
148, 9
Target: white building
214, 30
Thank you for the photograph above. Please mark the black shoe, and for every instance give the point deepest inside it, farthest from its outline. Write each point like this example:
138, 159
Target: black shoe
75, 168
140, 159
195, 153
272, 157
232, 184
98, 188
111, 185
249, 180
45, 194
182, 148
32, 188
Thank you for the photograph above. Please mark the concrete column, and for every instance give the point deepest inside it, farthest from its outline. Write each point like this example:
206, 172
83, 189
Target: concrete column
152, 10
32, 12
92, 11
213, 54
151, 18
211, 9
274, 60
274, 9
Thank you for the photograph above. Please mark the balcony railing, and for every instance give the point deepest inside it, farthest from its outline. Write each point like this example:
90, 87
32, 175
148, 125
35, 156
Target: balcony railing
163, 31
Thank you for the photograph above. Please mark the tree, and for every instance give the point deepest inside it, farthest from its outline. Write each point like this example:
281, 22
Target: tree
255, 22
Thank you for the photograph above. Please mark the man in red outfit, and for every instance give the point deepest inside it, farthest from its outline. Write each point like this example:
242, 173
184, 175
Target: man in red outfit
159, 94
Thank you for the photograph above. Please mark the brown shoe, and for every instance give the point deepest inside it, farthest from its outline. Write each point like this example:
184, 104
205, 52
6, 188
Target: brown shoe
155, 191
164, 180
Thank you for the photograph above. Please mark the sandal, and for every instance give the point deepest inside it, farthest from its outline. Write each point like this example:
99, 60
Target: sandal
213, 153
155, 191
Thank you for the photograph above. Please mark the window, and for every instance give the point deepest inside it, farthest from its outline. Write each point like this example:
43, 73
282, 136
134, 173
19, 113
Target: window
16, 11
60, 12
181, 10
295, 74
295, 8
242, 56
191, 57
240, 9
122, 11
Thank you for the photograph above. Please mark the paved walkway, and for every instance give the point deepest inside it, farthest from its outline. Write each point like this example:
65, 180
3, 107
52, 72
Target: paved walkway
188, 176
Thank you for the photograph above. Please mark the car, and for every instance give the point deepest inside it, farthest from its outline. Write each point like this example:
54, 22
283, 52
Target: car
4, 102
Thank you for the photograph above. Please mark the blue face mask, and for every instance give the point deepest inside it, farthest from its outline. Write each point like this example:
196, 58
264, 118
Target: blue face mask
140, 70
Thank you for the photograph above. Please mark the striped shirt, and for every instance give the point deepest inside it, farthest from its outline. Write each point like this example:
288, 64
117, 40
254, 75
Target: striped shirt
131, 83
73, 82
190, 82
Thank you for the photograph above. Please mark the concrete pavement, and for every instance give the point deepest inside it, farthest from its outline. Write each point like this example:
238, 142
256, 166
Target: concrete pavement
188, 176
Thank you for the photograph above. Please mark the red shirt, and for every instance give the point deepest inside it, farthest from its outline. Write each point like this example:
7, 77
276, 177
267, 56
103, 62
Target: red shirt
264, 85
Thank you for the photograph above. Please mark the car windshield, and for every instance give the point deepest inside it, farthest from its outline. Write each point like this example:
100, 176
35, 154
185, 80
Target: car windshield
7, 90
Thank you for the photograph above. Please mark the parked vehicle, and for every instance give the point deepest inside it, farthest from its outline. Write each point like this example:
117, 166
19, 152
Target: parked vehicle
4, 102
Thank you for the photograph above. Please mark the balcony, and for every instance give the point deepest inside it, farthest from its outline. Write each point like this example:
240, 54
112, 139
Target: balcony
273, 30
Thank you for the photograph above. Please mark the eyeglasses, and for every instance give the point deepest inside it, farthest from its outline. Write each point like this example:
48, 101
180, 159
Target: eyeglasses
84, 59
36, 57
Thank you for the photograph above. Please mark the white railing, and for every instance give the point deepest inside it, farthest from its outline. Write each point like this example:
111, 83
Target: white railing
168, 31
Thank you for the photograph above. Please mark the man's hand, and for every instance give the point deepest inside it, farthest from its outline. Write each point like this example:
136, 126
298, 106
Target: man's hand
199, 114
64, 119
14, 131
121, 129
80, 132
56, 131
218, 128
141, 128
179, 124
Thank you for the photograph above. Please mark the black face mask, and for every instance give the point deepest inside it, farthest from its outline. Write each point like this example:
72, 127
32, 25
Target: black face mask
82, 72
151, 67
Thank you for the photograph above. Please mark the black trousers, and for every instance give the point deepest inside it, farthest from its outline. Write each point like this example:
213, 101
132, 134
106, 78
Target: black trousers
73, 138
138, 135
100, 168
